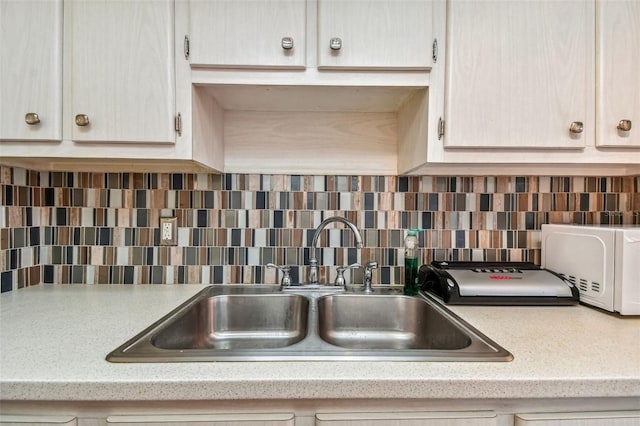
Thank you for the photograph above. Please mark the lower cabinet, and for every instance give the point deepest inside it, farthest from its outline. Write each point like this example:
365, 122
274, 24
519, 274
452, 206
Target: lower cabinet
470, 418
604, 418
239, 419
399, 418
236, 419
39, 420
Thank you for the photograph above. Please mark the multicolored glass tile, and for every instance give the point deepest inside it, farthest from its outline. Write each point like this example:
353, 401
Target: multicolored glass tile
103, 228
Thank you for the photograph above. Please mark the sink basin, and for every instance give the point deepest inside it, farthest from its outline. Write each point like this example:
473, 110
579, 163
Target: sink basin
238, 322
386, 322
264, 323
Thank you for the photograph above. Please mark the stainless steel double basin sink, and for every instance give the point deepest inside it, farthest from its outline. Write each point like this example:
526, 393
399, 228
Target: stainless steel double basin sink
264, 323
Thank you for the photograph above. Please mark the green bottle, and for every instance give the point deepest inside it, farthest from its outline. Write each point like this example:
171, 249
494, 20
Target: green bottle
411, 284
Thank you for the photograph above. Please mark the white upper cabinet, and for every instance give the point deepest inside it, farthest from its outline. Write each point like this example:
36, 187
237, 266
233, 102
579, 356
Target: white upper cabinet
352, 34
375, 34
121, 79
30, 70
618, 78
280, 91
248, 33
520, 74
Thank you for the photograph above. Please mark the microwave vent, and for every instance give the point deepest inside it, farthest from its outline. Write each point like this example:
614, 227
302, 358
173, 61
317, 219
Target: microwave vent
585, 286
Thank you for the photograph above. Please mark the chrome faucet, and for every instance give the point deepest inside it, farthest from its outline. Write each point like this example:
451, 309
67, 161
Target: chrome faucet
313, 261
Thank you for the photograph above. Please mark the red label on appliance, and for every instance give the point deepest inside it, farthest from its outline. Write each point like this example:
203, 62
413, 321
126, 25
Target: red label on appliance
499, 277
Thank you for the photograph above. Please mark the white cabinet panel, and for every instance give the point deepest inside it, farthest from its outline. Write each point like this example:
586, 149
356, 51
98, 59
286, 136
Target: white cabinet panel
519, 73
471, 418
37, 420
30, 69
121, 72
606, 418
248, 33
236, 419
376, 34
618, 81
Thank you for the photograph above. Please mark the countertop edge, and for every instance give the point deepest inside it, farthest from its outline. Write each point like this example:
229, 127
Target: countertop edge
320, 390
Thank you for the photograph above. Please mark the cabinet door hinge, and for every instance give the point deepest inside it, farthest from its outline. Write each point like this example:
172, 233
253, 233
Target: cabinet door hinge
186, 47
434, 50
440, 128
178, 124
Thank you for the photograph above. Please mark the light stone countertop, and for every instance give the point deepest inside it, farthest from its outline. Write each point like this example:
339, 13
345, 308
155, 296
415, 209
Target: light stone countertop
54, 339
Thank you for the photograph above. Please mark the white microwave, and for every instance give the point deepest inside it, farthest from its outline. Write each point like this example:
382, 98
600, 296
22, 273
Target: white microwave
602, 261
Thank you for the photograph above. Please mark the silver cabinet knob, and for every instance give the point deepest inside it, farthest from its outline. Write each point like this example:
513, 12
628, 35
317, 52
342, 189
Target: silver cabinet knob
335, 43
287, 43
576, 127
82, 120
624, 125
31, 118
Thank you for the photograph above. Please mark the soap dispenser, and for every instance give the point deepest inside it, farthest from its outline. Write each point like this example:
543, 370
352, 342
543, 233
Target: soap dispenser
411, 285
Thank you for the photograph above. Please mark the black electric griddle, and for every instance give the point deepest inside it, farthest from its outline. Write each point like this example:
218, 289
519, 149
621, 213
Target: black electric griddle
496, 283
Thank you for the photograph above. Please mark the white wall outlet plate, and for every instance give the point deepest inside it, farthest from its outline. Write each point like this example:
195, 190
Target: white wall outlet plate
168, 231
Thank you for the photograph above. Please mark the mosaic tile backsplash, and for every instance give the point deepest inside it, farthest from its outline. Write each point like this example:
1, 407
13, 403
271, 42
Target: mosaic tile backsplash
103, 228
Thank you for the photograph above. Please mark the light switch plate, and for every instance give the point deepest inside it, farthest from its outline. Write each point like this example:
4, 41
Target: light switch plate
168, 231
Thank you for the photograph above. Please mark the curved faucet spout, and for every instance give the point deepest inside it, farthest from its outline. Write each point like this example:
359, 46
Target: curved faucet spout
313, 260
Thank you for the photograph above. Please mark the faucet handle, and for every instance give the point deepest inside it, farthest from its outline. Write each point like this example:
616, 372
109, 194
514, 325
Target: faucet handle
286, 278
340, 279
368, 275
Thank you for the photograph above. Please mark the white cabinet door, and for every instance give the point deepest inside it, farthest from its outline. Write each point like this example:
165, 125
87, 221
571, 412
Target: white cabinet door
375, 34
235, 419
248, 33
618, 71
605, 418
471, 418
37, 420
121, 70
519, 73
30, 69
